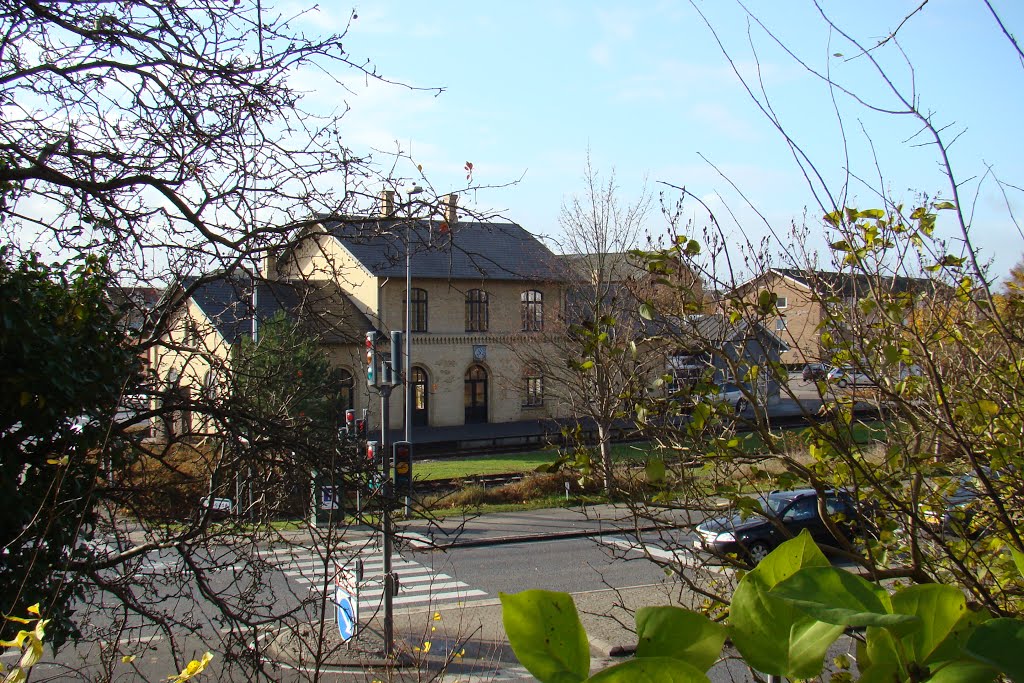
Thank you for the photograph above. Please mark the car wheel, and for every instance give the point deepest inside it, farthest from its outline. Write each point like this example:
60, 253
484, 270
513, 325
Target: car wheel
741, 405
842, 383
757, 552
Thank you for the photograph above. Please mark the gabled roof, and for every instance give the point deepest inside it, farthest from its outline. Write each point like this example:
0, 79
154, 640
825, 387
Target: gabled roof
319, 305
612, 266
846, 285
712, 328
469, 251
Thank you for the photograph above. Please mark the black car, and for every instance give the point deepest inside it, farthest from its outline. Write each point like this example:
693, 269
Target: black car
754, 537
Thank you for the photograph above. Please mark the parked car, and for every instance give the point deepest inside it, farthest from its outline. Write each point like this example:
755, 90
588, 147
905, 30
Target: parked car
846, 376
956, 515
754, 537
731, 395
814, 372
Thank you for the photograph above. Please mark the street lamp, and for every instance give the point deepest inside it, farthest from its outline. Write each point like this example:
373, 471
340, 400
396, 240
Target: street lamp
414, 190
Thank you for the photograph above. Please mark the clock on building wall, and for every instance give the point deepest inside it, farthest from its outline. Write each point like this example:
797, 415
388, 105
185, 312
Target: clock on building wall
479, 352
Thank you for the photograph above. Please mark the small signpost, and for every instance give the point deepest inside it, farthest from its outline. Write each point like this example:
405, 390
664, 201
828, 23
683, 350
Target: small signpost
346, 598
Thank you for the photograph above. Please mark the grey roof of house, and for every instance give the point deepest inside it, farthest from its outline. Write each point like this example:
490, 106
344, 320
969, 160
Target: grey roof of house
853, 284
711, 328
469, 251
320, 306
613, 267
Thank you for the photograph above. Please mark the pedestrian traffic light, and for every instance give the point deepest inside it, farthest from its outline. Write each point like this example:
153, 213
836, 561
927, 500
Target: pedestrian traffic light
373, 453
350, 421
403, 465
361, 428
371, 358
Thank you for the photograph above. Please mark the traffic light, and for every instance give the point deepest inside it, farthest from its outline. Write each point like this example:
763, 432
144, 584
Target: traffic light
350, 421
371, 358
403, 465
397, 356
361, 428
373, 453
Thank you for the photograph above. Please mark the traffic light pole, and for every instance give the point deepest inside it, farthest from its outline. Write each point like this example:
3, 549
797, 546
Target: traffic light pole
387, 525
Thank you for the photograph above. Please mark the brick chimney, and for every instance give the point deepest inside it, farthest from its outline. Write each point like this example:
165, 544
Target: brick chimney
387, 204
270, 266
451, 212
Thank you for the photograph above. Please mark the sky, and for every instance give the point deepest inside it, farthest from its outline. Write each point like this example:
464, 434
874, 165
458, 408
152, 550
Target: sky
532, 88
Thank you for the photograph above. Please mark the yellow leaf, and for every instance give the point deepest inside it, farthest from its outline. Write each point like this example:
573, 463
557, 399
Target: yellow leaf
192, 669
128, 659
437, 616
33, 653
34, 609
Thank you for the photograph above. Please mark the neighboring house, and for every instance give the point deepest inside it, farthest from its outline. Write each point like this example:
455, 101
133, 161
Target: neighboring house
477, 290
697, 344
133, 305
802, 298
209, 316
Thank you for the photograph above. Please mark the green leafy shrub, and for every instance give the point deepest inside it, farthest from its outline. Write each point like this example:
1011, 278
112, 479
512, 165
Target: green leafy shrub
785, 614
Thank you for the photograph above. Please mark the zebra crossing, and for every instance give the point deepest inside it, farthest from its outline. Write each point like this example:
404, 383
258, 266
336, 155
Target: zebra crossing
418, 585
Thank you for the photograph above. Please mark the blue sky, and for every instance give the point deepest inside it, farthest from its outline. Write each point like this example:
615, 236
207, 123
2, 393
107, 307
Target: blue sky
531, 86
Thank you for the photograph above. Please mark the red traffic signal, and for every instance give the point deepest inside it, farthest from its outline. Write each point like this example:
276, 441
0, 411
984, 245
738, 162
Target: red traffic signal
350, 420
372, 451
361, 428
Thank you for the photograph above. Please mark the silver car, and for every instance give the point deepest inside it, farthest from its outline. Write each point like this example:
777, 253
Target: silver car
843, 377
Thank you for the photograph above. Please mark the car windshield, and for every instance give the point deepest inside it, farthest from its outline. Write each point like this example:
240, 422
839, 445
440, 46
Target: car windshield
778, 500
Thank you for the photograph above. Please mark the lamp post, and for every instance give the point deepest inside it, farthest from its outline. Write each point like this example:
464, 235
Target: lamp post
414, 190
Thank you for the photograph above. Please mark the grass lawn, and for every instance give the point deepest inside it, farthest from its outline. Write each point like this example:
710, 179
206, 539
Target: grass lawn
514, 463
511, 463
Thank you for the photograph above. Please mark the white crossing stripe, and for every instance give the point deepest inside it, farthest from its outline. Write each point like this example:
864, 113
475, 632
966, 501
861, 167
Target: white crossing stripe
651, 549
685, 558
417, 584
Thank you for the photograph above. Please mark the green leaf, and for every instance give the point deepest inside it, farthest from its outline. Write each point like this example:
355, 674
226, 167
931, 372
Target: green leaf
776, 637
655, 471
838, 597
940, 609
546, 635
945, 205
646, 311
1000, 643
650, 670
1018, 559
988, 407
872, 213
680, 634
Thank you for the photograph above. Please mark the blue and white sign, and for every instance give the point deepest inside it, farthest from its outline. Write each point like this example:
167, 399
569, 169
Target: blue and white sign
347, 609
346, 599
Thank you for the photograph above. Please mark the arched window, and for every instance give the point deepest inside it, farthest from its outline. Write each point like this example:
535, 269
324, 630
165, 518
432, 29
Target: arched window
533, 388
420, 409
533, 310
346, 393
418, 302
476, 311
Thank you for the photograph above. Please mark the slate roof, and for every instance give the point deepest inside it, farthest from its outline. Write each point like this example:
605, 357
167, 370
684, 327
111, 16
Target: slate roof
320, 306
849, 285
711, 328
470, 251
617, 266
